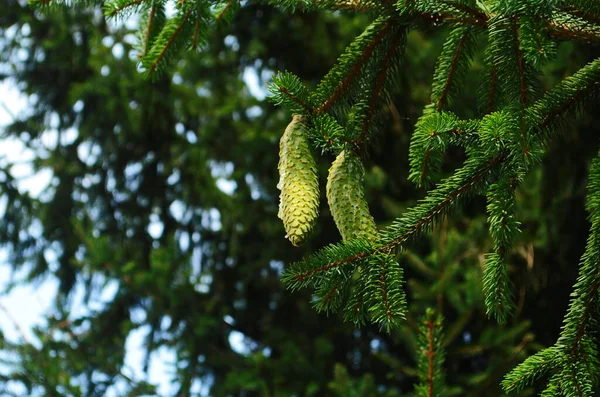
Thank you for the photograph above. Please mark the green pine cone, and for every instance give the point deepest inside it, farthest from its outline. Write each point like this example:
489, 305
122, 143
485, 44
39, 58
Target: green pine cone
346, 198
298, 182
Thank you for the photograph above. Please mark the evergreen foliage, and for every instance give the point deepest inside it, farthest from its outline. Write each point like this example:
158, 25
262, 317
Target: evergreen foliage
362, 276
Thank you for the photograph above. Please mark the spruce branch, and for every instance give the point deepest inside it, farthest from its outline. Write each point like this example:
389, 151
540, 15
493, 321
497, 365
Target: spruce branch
567, 97
385, 298
561, 27
350, 64
382, 80
288, 91
583, 10
433, 134
116, 7
567, 26
431, 357
223, 12
174, 34
577, 341
489, 91
452, 65
153, 20
532, 369
496, 288
520, 63
466, 181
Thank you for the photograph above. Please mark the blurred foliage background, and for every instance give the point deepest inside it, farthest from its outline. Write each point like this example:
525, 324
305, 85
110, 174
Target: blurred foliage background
165, 195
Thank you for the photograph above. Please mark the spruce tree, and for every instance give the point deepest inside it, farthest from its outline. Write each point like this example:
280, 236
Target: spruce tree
361, 277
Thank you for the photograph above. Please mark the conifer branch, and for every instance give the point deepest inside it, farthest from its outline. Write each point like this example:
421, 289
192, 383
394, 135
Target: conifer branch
577, 12
492, 92
285, 92
562, 30
439, 18
442, 100
444, 198
569, 94
532, 368
323, 303
426, 158
224, 11
196, 33
430, 354
147, 31
339, 90
431, 357
112, 12
520, 64
170, 42
380, 82
472, 11
555, 29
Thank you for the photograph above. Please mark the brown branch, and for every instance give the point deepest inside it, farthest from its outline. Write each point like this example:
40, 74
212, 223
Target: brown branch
329, 295
577, 387
448, 201
196, 33
343, 85
527, 373
285, 92
425, 163
350, 5
443, 99
222, 13
118, 9
582, 324
568, 103
568, 33
379, 85
553, 29
384, 296
586, 16
493, 88
147, 32
520, 65
170, 42
439, 18
430, 353
303, 276
467, 9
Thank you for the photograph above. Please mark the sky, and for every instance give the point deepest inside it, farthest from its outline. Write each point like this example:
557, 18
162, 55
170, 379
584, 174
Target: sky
24, 307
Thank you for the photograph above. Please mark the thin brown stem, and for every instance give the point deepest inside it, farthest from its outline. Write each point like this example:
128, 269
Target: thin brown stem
225, 9
493, 84
520, 65
161, 55
196, 34
430, 355
147, 30
379, 86
122, 7
443, 99
299, 101
351, 75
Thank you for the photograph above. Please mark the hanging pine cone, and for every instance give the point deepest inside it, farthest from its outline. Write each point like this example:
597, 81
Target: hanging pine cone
345, 194
298, 182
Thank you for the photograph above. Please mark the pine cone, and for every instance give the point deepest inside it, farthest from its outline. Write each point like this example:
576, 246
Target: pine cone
298, 182
345, 194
